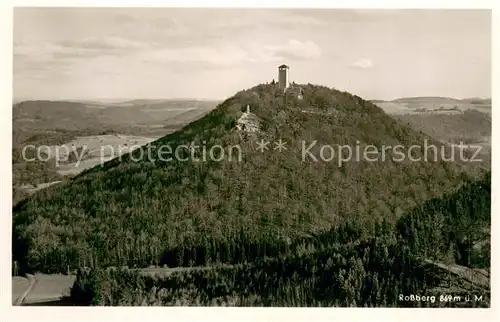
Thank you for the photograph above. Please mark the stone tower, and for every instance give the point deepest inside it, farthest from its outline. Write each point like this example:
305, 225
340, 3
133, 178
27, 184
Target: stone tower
283, 77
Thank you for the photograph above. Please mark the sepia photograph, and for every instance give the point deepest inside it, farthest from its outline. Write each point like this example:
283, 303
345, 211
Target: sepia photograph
251, 157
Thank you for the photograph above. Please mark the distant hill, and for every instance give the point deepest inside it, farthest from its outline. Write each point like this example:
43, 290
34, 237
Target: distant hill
440, 100
51, 115
477, 101
471, 126
142, 101
433, 103
161, 101
46, 122
141, 213
429, 99
38, 117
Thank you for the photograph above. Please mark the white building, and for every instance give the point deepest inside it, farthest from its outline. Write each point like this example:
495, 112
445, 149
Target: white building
248, 122
283, 77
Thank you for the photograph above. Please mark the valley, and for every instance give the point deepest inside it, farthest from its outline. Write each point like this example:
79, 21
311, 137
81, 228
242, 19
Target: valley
62, 131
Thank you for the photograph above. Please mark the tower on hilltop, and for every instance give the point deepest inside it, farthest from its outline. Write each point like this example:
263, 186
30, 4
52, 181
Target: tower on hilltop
283, 77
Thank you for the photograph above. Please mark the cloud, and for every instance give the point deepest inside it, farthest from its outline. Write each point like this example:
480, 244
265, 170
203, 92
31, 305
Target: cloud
180, 26
56, 59
77, 48
296, 49
108, 55
362, 63
233, 54
222, 56
123, 19
215, 19
39, 49
297, 17
103, 43
268, 18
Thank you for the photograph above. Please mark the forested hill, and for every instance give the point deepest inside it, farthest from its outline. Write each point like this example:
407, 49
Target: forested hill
427, 254
132, 212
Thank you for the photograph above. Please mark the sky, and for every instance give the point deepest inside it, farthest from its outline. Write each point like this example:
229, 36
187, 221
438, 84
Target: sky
125, 53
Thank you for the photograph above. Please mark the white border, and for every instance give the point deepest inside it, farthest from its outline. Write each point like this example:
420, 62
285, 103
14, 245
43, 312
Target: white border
9, 313
386, 4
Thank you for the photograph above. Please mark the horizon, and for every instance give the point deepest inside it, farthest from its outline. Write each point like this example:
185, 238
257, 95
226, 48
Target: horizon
167, 53
115, 100
123, 100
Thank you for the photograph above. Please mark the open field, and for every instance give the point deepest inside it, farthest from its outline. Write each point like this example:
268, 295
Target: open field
44, 288
434, 105
49, 288
94, 150
86, 126
20, 285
